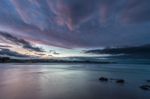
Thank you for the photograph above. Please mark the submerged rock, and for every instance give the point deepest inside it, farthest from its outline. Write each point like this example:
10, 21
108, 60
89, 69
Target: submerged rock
103, 79
145, 87
148, 81
121, 81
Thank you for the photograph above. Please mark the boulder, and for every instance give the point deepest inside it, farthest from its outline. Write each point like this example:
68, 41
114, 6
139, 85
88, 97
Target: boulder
121, 81
148, 81
103, 79
145, 87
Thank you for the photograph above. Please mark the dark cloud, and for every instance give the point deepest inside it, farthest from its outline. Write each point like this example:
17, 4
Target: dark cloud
77, 23
136, 51
137, 11
5, 46
9, 53
56, 53
72, 13
21, 42
53, 52
41, 54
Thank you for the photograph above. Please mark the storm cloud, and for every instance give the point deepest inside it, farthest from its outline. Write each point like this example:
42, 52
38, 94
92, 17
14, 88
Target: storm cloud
77, 23
20, 42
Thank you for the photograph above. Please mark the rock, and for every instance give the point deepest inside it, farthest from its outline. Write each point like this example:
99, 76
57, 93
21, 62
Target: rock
148, 80
121, 81
103, 79
145, 87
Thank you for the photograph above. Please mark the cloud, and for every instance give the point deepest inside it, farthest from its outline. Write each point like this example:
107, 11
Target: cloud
21, 42
74, 12
4, 46
137, 11
77, 23
9, 53
136, 51
53, 52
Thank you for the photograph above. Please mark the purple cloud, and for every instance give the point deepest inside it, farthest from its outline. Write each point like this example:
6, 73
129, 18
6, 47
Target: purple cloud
77, 23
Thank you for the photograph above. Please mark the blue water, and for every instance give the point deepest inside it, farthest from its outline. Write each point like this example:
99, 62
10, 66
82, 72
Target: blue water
74, 81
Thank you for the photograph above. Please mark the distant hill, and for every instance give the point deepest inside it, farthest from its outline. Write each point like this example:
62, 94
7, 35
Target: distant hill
136, 51
12, 60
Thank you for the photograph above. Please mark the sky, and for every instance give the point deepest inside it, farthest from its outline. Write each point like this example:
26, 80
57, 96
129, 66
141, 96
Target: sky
49, 28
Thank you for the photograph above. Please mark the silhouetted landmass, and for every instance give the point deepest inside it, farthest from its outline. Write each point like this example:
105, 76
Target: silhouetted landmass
136, 52
10, 60
4, 59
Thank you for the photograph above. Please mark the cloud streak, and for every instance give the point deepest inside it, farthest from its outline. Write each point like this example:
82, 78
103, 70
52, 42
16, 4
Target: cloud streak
21, 42
76, 23
9, 53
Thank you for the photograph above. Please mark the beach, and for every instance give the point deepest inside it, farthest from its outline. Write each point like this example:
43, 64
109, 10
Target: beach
73, 81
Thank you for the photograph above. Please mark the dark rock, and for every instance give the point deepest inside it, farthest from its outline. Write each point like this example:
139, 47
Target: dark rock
145, 87
148, 80
103, 79
121, 81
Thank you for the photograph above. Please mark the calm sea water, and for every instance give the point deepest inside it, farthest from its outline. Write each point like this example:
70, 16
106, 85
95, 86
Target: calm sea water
74, 81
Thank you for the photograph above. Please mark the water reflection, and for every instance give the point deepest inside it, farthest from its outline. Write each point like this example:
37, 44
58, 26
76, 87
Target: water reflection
65, 82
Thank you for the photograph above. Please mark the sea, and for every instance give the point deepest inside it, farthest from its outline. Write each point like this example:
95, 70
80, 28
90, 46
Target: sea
75, 80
